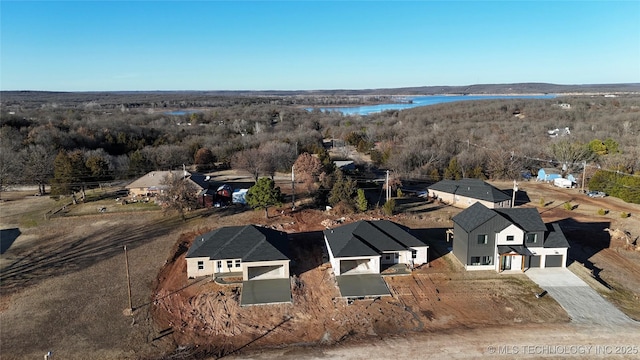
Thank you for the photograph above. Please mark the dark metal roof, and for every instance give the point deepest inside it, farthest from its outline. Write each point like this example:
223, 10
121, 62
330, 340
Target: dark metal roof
249, 243
474, 216
528, 219
555, 237
472, 188
369, 238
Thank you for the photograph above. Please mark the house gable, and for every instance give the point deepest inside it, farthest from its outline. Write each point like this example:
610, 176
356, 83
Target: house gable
511, 239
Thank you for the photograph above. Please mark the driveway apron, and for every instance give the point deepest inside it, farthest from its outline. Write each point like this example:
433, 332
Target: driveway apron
583, 304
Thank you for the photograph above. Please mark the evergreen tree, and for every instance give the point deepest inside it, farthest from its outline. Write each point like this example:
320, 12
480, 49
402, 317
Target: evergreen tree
264, 194
62, 174
343, 189
362, 201
452, 172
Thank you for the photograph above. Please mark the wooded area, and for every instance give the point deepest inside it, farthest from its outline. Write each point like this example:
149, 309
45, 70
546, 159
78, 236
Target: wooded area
69, 140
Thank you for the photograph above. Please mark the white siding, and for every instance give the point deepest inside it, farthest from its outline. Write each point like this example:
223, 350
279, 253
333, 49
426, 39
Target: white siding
192, 267
421, 255
549, 251
464, 202
516, 232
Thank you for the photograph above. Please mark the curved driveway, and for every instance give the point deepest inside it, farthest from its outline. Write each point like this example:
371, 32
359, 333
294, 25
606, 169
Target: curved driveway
583, 304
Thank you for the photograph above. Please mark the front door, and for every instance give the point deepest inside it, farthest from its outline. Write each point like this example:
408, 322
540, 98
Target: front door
506, 263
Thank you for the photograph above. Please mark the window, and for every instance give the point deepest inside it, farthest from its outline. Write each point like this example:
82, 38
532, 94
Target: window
388, 257
237, 263
414, 254
532, 238
487, 260
200, 265
229, 263
482, 239
510, 238
475, 260
219, 264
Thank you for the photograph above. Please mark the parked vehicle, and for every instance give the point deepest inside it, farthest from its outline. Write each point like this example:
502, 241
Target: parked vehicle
563, 183
596, 194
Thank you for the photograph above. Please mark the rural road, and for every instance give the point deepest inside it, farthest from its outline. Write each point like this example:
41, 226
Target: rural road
539, 341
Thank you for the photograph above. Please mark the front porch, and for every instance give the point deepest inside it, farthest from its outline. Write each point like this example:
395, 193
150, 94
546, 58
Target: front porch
513, 258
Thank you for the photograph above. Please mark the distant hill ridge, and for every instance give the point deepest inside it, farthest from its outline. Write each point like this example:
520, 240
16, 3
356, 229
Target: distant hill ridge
200, 98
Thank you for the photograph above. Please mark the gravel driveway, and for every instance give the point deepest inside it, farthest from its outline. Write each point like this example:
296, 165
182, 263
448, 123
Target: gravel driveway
583, 304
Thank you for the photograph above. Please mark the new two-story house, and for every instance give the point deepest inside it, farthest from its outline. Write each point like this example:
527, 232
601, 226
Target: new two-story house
507, 239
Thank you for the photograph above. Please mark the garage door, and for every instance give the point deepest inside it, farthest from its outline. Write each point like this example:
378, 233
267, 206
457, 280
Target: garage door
265, 272
553, 261
361, 266
534, 261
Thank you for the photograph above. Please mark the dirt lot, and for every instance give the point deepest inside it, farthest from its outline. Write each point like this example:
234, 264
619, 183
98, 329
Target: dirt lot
433, 298
64, 285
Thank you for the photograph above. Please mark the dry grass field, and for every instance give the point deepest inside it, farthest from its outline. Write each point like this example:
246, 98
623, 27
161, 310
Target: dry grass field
64, 286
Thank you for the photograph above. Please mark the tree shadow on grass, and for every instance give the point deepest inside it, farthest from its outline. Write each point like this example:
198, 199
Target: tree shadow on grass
50, 257
417, 205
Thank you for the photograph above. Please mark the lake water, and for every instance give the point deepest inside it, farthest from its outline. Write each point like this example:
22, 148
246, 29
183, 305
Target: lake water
182, 112
424, 101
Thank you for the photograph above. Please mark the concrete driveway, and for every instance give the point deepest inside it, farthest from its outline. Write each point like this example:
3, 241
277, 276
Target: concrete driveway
583, 304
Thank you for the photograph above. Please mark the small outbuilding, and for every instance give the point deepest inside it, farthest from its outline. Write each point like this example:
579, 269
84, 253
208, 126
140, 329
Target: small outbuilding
548, 174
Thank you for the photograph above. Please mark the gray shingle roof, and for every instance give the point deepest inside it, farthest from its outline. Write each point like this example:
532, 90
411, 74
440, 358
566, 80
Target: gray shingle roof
518, 249
555, 237
474, 216
249, 243
369, 238
528, 219
473, 188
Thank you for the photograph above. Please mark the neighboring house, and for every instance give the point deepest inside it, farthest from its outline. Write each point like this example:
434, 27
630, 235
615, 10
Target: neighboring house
507, 239
255, 252
466, 192
152, 183
345, 165
548, 174
362, 247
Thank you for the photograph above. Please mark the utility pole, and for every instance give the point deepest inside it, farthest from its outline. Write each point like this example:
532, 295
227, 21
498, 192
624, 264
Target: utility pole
515, 189
388, 187
584, 174
293, 189
129, 311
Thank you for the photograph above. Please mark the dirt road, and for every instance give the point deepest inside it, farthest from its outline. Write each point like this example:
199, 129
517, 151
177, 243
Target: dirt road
509, 342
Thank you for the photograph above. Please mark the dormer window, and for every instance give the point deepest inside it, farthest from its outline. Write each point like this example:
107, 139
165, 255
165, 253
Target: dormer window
510, 237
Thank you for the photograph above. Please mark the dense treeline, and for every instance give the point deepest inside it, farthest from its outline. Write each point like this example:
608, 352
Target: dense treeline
74, 145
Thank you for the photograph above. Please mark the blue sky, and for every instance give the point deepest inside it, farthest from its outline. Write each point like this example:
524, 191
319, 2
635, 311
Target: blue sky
306, 45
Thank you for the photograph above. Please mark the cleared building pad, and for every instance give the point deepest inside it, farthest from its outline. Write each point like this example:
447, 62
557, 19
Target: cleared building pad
263, 292
362, 285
